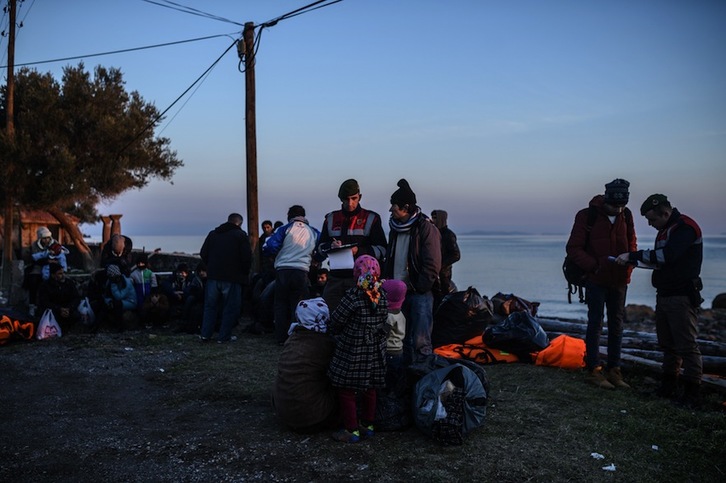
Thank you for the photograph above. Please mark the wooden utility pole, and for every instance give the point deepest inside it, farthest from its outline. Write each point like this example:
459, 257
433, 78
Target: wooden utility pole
251, 139
10, 123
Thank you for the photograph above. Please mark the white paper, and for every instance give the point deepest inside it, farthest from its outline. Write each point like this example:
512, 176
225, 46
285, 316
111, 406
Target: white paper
340, 259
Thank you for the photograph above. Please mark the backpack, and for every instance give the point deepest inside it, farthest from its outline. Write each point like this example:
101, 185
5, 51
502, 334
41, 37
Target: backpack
576, 276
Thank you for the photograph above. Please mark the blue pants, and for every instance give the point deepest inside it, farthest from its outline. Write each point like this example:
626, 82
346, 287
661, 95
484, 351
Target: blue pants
419, 312
227, 298
599, 299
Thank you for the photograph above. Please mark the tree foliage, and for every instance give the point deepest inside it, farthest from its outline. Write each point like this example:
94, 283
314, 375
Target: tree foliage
79, 142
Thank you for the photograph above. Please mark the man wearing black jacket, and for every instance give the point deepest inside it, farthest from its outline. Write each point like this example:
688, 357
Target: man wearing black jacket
226, 252
677, 259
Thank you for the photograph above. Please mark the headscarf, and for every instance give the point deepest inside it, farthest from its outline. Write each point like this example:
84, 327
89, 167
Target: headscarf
366, 271
312, 314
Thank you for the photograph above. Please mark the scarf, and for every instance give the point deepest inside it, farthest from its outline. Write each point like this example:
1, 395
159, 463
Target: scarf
402, 227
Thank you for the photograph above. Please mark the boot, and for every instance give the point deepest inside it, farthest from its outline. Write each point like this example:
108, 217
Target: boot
615, 377
691, 397
597, 378
668, 386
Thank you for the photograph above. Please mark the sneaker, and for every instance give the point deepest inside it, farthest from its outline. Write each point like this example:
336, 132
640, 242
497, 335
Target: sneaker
597, 378
203, 339
366, 431
345, 436
615, 377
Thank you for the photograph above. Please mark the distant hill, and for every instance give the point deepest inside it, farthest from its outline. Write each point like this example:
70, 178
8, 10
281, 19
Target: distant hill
508, 233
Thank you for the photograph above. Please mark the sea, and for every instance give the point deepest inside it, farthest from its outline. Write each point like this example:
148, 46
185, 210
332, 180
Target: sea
529, 266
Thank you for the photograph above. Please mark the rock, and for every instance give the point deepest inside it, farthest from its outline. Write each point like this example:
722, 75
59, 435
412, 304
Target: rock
639, 313
719, 301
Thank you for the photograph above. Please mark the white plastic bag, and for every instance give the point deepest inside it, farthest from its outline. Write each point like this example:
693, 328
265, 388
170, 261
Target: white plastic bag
48, 327
85, 313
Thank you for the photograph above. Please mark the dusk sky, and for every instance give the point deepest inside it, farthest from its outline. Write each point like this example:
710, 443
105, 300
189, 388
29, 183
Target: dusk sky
510, 115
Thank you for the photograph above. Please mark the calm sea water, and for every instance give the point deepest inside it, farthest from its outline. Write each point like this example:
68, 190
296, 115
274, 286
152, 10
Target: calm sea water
527, 265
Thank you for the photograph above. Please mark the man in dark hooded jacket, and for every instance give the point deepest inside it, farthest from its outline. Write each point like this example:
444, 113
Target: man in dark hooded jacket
450, 253
226, 252
601, 231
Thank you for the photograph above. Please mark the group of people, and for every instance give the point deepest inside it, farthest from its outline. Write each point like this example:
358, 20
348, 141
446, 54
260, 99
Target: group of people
603, 244
122, 293
373, 314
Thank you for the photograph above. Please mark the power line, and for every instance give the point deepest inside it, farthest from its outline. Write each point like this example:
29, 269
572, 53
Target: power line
122, 50
299, 11
156, 119
193, 11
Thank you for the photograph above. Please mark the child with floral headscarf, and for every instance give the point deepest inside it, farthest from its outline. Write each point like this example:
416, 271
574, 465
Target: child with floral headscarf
358, 366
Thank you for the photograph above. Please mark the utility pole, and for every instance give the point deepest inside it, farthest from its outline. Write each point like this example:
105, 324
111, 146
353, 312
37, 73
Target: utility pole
10, 129
251, 139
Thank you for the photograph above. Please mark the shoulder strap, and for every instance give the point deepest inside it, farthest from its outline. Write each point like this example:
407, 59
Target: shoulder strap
591, 217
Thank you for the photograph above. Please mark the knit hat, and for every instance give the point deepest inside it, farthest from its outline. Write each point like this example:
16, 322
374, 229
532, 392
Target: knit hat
616, 192
348, 188
395, 292
313, 314
43, 232
652, 201
404, 195
113, 271
54, 267
366, 264
55, 249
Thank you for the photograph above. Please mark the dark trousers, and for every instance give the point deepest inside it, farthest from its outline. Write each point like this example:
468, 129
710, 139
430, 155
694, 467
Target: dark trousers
291, 286
599, 299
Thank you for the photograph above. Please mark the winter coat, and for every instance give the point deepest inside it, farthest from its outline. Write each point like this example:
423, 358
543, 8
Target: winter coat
606, 239
125, 292
226, 252
359, 361
302, 394
360, 226
678, 255
292, 245
424, 255
55, 295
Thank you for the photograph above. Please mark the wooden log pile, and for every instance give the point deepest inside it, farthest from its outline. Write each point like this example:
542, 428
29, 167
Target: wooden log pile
642, 348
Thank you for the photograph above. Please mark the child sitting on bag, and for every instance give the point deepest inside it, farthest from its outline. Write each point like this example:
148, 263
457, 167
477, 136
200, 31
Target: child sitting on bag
358, 366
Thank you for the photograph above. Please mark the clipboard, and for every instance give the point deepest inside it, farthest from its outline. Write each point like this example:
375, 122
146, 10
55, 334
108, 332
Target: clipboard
341, 258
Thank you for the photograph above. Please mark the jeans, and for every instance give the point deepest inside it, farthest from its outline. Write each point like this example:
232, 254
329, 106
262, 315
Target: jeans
598, 299
228, 296
419, 312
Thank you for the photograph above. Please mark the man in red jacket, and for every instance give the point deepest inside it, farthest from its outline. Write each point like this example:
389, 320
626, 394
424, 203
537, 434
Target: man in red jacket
604, 229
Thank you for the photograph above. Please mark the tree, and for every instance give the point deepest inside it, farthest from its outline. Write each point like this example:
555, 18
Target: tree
78, 143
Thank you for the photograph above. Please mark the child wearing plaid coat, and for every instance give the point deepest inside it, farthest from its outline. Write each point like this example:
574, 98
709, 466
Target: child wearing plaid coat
358, 366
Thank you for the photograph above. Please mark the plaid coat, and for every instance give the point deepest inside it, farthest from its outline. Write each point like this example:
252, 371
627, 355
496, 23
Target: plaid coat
359, 360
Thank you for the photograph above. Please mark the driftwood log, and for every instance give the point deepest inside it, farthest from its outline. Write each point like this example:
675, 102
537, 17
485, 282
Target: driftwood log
642, 348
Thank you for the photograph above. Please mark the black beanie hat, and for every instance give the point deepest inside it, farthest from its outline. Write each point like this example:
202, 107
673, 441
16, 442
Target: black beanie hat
54, 267
616, 192
404, 195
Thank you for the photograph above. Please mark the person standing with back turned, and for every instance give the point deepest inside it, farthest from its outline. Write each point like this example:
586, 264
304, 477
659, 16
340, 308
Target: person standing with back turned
226, 252
603, 230
677, 259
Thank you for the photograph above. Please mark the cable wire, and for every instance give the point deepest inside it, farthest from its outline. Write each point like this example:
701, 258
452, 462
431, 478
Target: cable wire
296, 12
156, 119
193, 11
122, 50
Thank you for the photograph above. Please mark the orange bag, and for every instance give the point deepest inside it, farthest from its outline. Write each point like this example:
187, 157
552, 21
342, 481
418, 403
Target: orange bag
564, 351
475, 350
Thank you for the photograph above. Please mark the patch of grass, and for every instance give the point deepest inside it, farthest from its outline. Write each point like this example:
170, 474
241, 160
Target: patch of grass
202, 413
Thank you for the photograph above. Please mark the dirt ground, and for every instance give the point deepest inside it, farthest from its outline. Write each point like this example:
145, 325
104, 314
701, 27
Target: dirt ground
158, 406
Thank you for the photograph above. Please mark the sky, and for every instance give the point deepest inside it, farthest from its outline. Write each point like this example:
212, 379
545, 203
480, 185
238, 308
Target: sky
508, 114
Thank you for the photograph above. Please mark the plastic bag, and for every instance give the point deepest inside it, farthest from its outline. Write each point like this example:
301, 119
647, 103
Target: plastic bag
85, 313
48, 327
461, 316
520, 334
